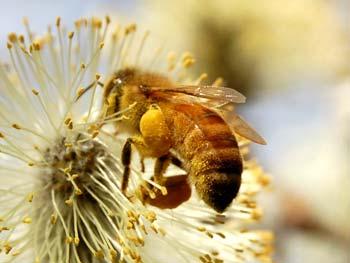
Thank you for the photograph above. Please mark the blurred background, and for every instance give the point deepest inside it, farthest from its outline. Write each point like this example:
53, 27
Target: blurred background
292, 60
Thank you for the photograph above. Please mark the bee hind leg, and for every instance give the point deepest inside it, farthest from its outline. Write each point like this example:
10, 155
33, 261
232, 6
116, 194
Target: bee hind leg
160, 167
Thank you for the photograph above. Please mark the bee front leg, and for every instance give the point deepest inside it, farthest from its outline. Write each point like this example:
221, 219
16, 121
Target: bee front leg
126, 159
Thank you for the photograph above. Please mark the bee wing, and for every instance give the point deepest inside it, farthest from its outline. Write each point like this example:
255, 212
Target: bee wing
242, 128
221, 94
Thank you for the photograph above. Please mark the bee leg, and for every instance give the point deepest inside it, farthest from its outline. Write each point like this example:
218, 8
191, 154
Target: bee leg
178, 191
142, 164
126, 159
176, 161
160, 167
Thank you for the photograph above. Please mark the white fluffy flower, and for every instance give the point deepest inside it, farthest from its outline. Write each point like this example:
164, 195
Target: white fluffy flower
60, 174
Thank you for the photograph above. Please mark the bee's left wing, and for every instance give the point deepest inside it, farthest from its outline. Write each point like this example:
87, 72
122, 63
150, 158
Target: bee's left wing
221, 94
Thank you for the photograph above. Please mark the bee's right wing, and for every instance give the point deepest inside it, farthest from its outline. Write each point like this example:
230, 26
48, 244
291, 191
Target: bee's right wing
221, 94
242, 128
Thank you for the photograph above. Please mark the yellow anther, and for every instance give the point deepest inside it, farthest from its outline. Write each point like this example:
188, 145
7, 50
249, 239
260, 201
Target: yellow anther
30, 197
76, 240
164, 190
70, 125
12, 37
53, 219
113, 253
35, 92
67, 170
99, 254
69, 202
94, 134
218, 82
71, 35
257, 214
221, 235
36, 46
151, 216
209, 234
78, 191
130, 29
201, 229
4, 228
27, 220
96, 22
58, 21
16, 126
79, 93
16, 253
74, 176
69, 240
7, 248
21, 39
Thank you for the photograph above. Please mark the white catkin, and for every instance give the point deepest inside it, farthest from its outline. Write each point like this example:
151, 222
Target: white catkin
60, 197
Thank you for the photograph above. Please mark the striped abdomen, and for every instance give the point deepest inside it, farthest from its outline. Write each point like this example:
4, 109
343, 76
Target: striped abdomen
209, 150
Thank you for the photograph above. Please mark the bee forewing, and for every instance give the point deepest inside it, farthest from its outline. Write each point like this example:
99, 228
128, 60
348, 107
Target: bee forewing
209, 92
242, 128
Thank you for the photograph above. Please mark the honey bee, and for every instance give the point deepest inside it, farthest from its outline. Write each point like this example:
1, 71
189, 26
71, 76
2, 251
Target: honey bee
180, 125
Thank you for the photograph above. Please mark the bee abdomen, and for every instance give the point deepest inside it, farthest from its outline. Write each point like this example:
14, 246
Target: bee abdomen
214, 162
